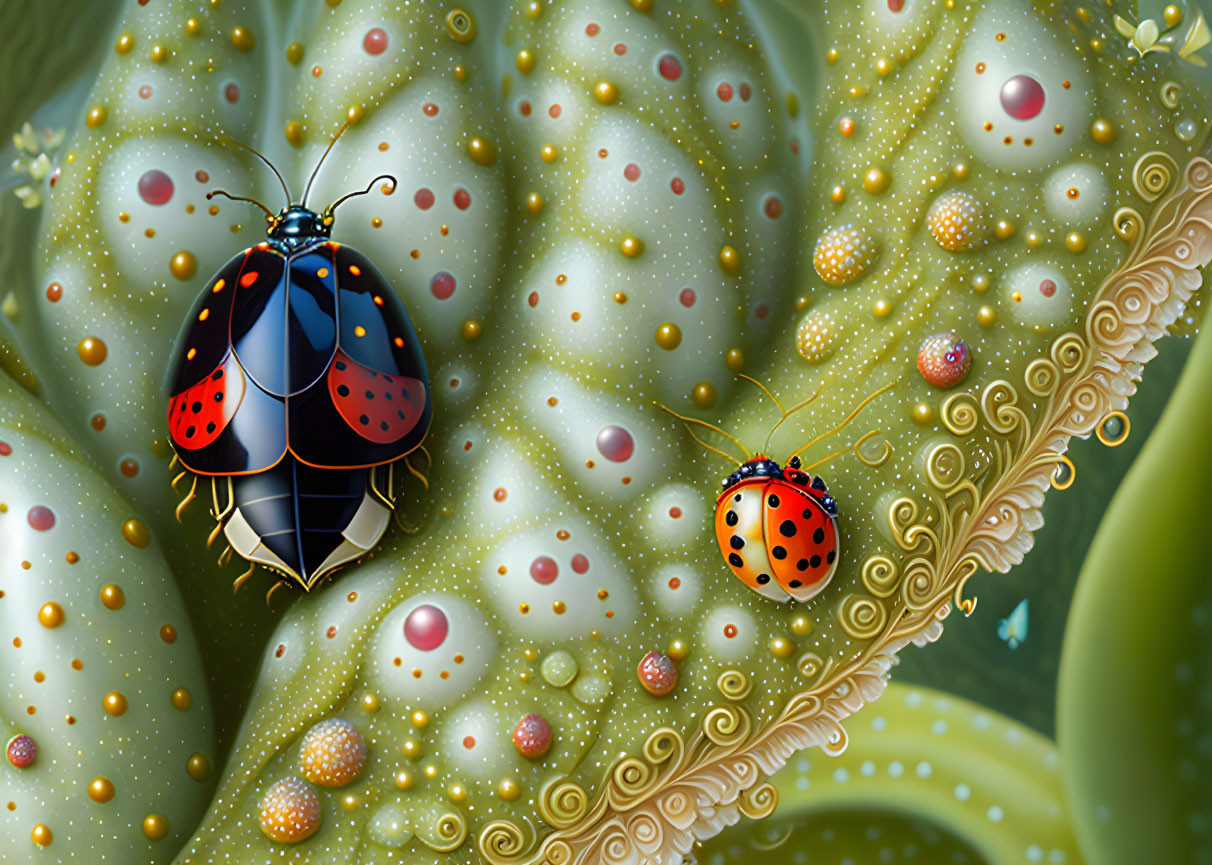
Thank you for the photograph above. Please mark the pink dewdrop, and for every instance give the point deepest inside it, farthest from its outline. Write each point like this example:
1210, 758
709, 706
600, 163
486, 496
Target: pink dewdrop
22, 751
944, 360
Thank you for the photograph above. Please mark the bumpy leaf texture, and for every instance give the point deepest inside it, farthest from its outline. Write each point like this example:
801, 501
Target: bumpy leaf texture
956, 228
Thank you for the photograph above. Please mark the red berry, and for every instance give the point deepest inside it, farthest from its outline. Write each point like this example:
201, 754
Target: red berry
532, 737
658, 674
944, 359
22, 751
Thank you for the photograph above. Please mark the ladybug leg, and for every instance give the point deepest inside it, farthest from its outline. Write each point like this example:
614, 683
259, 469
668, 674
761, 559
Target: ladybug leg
193, 494
405, 529
174, 481
220, 513
235, 587
272, 589
225, 556
412, 471
214, 534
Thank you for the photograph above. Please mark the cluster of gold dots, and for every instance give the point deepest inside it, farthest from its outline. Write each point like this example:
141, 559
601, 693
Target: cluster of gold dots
957, 221
814, 338
843, 254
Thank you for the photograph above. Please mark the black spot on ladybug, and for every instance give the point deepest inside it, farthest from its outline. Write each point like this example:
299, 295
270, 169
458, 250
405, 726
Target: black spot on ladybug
189, 433
773, 501
216, 375
832, 555
818, 536
340, 365
364, 420
373, 374
807, 514
370, 394
401, 414
387, 379
219, 396
404, 392
799, 478
736, 542
795, 584
196, 407
735, 560
818, 484
210, 427
801, 565
342, 390
737, 497
814, 562
383, 426
387, 395
731, 518
763, 579
779, 552
787, 529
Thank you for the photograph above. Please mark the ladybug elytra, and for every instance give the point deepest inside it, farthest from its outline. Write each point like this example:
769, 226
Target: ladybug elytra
295, 385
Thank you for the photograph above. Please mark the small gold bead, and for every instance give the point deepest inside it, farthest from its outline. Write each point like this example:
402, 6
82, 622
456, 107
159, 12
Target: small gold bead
883, 66
881, 308
524, 61
1075, 242
734, 360
1172, 15
923, 414
182, 699
457, 793
50, 615
986, 316
95, 117
419, 719
1003, 229
192, 27
403, 780
606, 93
155, 826
509, 790
631, 246
412, 749
460, 73
198, 766
136, 534
703, 395
41, 835
243, 38
534, 9
100, 789
350, 802
642, 5
838, 194
831, 56
354, 113
112, 597
124, 44
801, 626
481, 151
669, 336
730, 260
370, 702
294, 53
960, 171
534, 203
678, 650
184, 265
980, 282
876, 181
159, 54
1102, 131
471, 330
114, 703
294, 132
549, 153
781, 647
1033, 239
431, 771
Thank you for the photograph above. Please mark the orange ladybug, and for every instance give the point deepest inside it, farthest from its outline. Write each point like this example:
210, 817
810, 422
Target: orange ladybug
777, 529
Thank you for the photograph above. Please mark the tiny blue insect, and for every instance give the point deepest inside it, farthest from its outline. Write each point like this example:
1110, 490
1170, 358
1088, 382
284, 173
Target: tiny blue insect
1013, 629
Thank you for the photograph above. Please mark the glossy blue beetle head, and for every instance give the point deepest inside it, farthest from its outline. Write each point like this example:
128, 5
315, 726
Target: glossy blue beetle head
296, 225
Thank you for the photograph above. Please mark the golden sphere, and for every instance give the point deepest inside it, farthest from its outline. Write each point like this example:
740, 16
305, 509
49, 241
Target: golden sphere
1102, 131
843, 254
678, 650
1075, 242
198, 766
290, 810
124, 44
481, 151
243, 38
1033, 239
100, 789
923, 414
333, 753
814, 338
403, 780
509, 790
95, 117
1003, 229
781, 647
838, 194
524, 61
606, 93
136, 533
801, 626
114, 704
353, 114
534, 203
986, 316
182, 699
457, 793
420, 719
50, 615
168, 633
881, 308
703, 394
876, 181
549, 153
159, 54
112, 596
412, 749
41, 835
294, 53
184, 265
734, 360
471, 330
92, 350
730, 260
642, 5
631, 246
294, 133
669, 336
192, 27
1172, 15
155, 826
370, 702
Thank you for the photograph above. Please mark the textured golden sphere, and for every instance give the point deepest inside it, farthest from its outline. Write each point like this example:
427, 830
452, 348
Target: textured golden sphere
112, 597
703, 395
198, 766
290, 810
101, 789
136, 533
843, 254
155, 826
333, 752
243, 38
814, 338
114, 703
669, 336
606, 93
631, 246
481, 151
184, 265
92, 350
957, 221
50, 615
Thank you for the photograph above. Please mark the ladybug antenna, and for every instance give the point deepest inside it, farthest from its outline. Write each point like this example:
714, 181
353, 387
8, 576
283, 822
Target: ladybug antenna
845, 423
323, 156
394, 183
272, 167
786, 413
268, 213
691, 420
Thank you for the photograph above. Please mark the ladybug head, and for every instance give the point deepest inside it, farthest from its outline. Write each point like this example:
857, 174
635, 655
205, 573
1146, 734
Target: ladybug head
758, 467
297, 223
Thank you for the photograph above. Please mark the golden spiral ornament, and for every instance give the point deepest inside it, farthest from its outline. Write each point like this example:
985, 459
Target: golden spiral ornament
562, 803
1153, 174
1041, 377
862, 616
758, 801
880, 576
726, 725
734, 684
959, 414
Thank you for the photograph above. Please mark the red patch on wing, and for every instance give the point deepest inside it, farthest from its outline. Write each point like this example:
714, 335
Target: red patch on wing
380, 408
198, 414
799, 526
